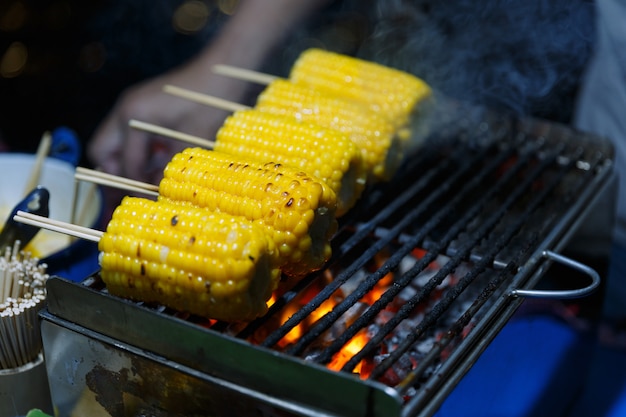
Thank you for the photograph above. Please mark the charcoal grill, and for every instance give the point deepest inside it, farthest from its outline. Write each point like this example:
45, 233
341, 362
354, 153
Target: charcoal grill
470, 227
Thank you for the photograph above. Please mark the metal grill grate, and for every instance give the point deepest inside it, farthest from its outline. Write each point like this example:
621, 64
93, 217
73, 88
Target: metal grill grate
466, 221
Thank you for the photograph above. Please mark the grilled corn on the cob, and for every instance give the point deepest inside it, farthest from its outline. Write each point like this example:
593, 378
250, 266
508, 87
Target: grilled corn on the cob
387, 90
297, 210
375, 136
324, 153
190, 259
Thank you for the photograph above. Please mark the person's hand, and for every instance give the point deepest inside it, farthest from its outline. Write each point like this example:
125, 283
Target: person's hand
253, 31
121, 150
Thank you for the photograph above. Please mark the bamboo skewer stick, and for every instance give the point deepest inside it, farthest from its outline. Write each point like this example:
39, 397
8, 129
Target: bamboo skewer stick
204, 98
174, 134
244, 74
79, 216
86, 172
8, 353
58, 226
74, 213
102, 178
42, 153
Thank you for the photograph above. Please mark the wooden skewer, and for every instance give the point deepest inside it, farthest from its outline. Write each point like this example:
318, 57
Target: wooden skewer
42, 154
244, 74
204, 98
58, 226
174, 134
78, 217
102, 178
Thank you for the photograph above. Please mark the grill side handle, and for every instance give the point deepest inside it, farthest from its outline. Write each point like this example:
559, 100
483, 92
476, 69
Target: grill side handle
562, 294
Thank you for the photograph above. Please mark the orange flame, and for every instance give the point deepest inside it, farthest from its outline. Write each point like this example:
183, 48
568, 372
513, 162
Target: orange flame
350, 349
358, 342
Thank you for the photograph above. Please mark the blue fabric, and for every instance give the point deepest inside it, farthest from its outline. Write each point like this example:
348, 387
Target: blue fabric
605, 394
534, 367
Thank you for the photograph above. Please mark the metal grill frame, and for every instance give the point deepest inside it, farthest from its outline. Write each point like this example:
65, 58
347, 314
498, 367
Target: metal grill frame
234, 364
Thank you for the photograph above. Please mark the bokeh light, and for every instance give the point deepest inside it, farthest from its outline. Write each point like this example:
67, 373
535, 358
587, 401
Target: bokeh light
227, 6
191, 16
13, 16
14, 60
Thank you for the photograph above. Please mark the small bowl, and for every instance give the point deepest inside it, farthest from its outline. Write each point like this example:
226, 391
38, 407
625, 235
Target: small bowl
59, 251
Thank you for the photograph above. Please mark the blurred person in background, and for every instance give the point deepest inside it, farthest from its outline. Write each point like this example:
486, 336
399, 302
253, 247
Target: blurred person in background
64, 62
601, 109
246, 40
92, 66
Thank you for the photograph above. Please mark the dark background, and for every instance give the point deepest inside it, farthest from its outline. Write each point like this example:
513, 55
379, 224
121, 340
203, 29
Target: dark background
525, 57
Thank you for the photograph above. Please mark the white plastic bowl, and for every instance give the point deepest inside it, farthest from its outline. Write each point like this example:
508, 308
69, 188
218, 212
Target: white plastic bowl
58, 177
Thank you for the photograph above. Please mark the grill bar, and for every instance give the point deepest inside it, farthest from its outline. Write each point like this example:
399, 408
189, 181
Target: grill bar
405, 222
480, 267
389, 266
392, 264
442, 306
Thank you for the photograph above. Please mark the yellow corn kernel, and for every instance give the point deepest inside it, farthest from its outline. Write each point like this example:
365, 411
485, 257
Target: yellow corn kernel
391, 92
323, 153
373, 135
292, 206
190, 259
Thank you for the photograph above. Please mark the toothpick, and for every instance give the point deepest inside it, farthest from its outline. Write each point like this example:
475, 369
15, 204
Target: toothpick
22, 295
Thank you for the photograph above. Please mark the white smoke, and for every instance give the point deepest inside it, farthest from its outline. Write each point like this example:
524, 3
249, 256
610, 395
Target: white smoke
523, 56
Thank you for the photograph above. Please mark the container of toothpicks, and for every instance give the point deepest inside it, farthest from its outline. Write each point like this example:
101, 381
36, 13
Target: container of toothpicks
23, 378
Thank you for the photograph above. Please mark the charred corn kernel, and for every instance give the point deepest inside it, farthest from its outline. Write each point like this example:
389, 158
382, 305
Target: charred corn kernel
190, 259
374, 135
292, 206
324, 153
386, 90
